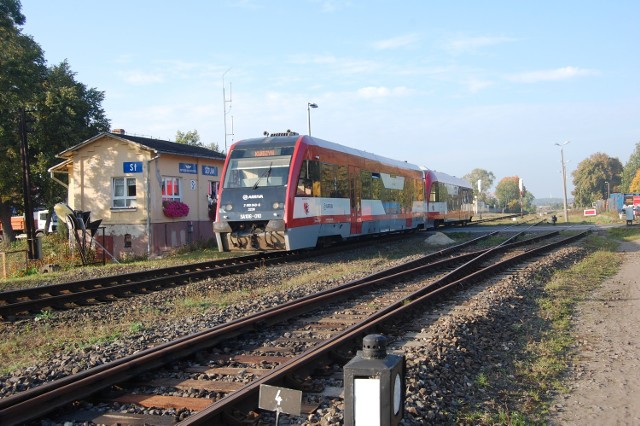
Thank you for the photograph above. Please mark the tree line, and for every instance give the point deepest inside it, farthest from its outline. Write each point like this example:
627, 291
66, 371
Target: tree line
595, 178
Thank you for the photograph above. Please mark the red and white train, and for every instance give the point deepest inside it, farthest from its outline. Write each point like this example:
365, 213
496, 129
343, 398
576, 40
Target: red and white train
288, 191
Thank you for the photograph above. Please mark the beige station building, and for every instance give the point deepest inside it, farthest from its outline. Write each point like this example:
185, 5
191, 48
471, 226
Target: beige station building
132, 184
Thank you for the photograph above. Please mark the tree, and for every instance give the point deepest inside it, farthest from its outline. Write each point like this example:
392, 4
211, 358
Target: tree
486, 179
509, 197
23, 69
630, 170
65, 113
635, 183
508, 193
10, 13
190, 138
590, 177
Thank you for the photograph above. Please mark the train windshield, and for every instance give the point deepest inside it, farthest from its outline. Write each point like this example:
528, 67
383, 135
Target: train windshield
257, 171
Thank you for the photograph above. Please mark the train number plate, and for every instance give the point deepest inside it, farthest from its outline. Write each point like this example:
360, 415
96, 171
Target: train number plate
249, 216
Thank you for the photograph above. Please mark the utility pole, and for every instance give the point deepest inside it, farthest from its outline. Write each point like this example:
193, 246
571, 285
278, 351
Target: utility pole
564, 180
33, 249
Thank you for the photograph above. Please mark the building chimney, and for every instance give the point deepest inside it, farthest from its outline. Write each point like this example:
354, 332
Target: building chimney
118, 131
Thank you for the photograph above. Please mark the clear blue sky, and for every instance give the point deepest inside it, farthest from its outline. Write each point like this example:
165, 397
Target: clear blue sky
451, 85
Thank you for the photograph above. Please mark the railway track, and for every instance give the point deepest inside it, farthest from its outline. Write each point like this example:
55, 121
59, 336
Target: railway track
16, 304
316, 326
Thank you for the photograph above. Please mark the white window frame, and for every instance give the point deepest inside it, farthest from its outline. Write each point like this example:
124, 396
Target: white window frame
177, 183
125, 200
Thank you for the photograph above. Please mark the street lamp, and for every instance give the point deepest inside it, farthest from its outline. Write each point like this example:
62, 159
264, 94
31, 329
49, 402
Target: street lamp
564, 180
309, 106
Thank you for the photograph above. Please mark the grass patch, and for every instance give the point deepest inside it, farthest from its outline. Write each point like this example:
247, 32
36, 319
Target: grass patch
548, 354
625, 233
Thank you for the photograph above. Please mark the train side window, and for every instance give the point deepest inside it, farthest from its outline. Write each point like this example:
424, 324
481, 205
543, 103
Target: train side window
376, 187
342, 182
309, 180
367, 185
327, 179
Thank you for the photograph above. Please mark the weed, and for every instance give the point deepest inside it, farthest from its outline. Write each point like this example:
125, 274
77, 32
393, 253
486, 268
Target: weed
482, 380
44, 315
136, 327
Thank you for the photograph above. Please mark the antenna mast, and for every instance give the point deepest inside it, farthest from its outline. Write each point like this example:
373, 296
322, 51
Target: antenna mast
226, 111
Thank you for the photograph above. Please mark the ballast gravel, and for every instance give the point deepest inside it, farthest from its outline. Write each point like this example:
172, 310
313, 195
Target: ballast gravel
448, 350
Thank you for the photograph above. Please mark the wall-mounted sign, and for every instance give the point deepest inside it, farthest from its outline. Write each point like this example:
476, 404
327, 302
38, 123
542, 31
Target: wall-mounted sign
209, 170
190, 168
132, 167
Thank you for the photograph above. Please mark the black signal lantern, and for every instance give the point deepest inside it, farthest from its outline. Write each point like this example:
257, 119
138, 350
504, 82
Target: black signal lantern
374, 385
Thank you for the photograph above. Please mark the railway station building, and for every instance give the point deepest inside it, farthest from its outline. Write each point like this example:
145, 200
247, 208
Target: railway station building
151, 195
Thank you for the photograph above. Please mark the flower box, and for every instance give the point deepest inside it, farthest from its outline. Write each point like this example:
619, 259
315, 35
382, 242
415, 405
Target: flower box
175, 209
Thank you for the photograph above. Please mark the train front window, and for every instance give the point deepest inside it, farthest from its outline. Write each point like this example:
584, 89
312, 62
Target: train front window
255, 172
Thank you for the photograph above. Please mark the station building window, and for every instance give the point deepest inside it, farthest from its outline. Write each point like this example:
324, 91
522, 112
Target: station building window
171, 189
124, 192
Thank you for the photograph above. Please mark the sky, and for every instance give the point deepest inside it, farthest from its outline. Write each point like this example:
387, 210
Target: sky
450, 85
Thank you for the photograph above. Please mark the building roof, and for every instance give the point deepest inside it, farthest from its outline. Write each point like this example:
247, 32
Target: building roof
157, 145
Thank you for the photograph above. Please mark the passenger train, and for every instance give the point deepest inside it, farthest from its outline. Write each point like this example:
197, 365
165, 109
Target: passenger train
288, 191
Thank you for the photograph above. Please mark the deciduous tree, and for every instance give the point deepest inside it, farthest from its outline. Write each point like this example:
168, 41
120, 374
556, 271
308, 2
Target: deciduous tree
630, 170
635, 183
23, 69
509, 197
189, 138
486, 179
64, 110
590, 176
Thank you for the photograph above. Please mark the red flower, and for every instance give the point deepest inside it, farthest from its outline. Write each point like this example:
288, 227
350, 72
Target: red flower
175, 208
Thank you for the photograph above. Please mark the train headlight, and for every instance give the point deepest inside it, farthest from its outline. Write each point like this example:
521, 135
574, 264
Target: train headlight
278, 205
228, 207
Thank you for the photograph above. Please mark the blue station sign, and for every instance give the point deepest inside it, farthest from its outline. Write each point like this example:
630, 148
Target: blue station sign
209, 170
190, 168
132, 167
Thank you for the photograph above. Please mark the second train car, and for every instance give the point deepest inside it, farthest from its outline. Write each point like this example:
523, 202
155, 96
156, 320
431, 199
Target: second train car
449, 199
290, 191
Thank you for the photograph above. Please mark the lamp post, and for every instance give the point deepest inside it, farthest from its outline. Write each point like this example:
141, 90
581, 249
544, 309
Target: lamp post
564, 180
608, 189
309, 106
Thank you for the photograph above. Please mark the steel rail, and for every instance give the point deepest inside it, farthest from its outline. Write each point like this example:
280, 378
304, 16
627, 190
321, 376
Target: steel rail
38, 401
161, 281
391, 312
99, 289
113, 280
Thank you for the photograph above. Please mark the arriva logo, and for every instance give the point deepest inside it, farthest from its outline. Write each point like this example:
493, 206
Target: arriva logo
251, 197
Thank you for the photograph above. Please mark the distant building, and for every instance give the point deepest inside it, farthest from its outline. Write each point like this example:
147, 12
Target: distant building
129, 181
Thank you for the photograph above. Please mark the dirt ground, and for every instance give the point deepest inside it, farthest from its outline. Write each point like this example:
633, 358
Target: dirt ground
606, 388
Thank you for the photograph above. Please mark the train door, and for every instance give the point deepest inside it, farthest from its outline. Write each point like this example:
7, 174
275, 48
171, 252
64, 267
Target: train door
355, 195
